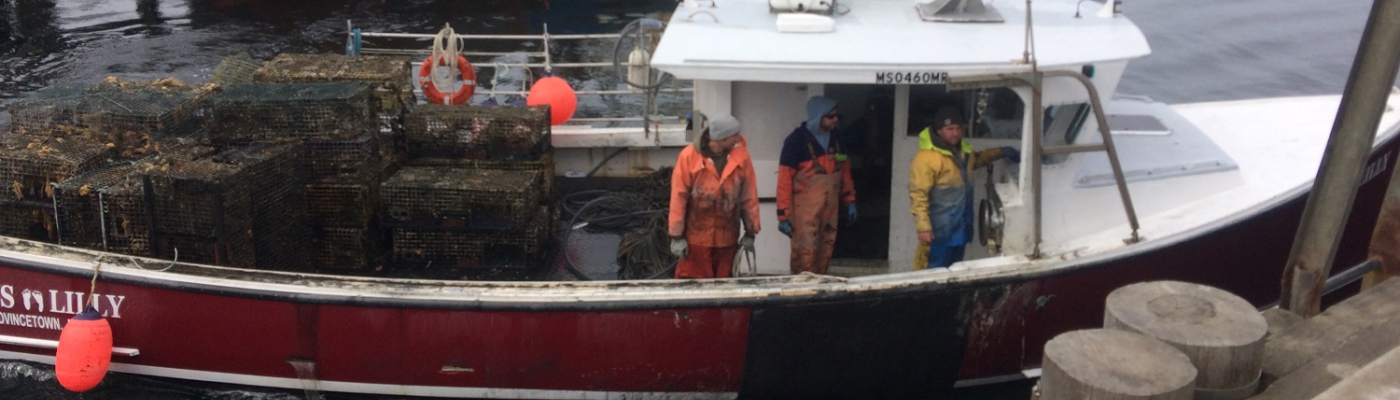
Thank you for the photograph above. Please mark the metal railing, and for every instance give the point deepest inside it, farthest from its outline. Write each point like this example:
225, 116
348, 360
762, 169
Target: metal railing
535, 60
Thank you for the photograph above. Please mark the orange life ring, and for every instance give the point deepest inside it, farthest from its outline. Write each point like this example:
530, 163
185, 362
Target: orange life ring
436, 96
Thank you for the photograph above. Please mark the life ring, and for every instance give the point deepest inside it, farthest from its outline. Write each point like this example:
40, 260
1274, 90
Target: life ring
436, 96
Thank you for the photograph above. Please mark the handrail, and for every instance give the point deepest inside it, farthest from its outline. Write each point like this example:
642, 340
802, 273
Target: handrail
1035, 80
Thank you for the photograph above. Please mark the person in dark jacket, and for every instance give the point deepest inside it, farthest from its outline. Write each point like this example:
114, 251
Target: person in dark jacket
814, 184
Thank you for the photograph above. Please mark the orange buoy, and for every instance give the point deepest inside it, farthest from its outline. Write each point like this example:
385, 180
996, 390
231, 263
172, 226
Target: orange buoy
84, 351
435, 95
555, 92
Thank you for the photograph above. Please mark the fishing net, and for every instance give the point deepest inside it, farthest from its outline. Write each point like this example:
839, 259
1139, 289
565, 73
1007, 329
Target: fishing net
493, 132
273, 111
461, 198
390, 76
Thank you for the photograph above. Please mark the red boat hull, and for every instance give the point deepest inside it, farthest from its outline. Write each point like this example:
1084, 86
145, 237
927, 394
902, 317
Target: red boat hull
912, 341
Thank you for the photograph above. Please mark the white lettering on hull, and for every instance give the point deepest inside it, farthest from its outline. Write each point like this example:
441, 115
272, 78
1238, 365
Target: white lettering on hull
31, 321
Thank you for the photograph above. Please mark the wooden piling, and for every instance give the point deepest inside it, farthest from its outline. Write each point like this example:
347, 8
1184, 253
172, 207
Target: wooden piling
1222, 334
1107, 364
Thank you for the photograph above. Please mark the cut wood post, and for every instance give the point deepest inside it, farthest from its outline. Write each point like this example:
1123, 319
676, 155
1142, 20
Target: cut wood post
1221, 333
1104, 364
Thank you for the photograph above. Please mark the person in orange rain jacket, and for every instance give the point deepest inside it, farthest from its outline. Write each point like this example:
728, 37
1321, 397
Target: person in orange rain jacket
713, 189
814, 183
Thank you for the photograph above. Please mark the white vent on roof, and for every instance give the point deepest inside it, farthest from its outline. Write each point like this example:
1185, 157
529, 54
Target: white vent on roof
957, 11
805, 23
802, 6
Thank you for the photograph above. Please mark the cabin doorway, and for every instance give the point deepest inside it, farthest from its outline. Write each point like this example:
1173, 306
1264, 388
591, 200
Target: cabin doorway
867, 113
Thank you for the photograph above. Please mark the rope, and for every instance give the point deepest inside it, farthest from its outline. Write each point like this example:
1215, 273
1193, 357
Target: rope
445, 49
92, 300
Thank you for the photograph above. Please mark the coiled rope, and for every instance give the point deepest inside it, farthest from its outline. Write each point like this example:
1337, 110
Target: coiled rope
445, 51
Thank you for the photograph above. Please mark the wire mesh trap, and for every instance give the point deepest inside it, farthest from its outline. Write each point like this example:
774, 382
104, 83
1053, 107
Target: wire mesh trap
235, 69
251, 192
492, 132
544, 167
449, 197
361, 156
418, 247
341, 202
346, 248
272, 111
30, 164
388, 75
157, 109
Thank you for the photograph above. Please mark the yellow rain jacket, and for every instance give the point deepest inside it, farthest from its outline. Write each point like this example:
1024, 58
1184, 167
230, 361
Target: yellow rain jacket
940, 190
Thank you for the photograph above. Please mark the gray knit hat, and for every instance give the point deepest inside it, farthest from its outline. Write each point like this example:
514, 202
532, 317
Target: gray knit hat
723, 126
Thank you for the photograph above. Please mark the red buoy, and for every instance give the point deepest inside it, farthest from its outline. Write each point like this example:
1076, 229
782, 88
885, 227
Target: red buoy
84, 351
555, 92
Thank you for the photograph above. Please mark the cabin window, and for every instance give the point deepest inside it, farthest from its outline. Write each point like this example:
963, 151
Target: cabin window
1062, 126
992, 113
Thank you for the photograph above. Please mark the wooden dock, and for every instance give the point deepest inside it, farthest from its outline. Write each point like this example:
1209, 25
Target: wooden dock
1350, 351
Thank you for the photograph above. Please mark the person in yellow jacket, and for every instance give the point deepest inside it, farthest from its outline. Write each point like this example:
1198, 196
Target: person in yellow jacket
940, 189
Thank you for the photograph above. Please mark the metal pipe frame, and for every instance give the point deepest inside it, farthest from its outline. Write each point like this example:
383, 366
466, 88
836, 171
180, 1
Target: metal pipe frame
1107, 143
1348, 150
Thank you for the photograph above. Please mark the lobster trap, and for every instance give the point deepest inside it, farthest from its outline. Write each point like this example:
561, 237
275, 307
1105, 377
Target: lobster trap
346, 248
235, 69
28, 221
360, 157
275, 111
30, 165
105, 210
158, 109
543, 167
477, 132
416, 247
388, 75
452, 197
253, 191
341, 202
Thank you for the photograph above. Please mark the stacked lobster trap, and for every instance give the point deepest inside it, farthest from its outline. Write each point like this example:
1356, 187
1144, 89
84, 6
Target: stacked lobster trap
343, 152
388, 76
476, 188
69, 130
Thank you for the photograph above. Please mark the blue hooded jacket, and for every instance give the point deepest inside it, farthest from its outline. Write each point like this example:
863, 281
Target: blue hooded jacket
818, 106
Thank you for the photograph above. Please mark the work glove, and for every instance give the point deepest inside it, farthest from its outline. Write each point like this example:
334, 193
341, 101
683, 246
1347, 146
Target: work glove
851, 212
679, 247
1011, 154
746, 243
785, 227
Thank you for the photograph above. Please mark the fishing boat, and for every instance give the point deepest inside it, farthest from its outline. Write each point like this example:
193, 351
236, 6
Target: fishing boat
1113, 189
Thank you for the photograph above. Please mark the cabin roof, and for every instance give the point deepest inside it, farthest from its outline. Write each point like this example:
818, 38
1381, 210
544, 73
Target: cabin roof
884, 36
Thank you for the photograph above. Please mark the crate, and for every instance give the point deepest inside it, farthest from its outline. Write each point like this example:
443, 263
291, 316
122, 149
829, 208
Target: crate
478, 132
275, 111
415, 247
346, 248
461, 198
48, 110
361, 156
390, 76
543, 167
30, 164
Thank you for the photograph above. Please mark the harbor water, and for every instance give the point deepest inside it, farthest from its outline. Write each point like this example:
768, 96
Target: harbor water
1202, 50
